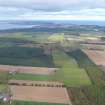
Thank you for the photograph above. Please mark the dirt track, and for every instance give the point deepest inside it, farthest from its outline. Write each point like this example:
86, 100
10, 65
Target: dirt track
40, 94
98, 57
27, 69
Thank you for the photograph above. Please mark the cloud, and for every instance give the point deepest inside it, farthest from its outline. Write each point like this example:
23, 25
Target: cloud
52, 9
54, 5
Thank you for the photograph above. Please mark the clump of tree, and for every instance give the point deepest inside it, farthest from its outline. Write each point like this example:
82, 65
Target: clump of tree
70, 46
103, 38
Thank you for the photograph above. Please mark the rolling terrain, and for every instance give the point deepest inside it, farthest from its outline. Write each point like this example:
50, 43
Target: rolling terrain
52, 65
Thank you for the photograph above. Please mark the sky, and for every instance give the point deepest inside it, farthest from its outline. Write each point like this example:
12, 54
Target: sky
52, 10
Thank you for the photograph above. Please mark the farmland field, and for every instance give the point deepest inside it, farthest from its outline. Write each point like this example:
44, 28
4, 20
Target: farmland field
3, 88
20, 76
3, 82
98, 57
56, 38
25, 57
69, 72
40, 94
34, 103
3, 77
27, 70
38, 37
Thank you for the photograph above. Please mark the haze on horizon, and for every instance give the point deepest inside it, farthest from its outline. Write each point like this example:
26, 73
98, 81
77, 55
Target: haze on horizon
52, 10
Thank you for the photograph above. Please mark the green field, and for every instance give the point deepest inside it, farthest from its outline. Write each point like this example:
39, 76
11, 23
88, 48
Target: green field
56, 38
20, 76
70, 73
3, 82
3, 88
38, 37
34, 103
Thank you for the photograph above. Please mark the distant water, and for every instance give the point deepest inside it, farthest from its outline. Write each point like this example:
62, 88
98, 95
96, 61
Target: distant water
9, 25
82, 22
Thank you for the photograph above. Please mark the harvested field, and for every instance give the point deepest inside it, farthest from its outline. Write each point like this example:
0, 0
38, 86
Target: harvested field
40, 94
36, 83
98, 57
30, 70
98, 42
94, 46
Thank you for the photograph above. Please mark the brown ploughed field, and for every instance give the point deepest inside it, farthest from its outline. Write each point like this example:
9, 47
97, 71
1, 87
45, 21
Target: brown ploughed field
98, 57
27, 69
40, 94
